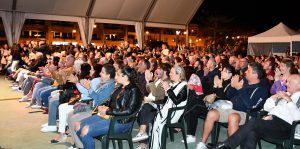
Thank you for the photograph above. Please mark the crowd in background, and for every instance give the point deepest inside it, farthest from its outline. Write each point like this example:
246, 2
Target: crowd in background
72, 81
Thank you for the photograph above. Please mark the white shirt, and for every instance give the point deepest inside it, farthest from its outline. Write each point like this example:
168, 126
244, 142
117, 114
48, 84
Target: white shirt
284, 110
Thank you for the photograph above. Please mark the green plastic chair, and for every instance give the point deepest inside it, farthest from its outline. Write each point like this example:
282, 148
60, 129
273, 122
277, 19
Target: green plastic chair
281, 143
118, 137
217, 126
180, 124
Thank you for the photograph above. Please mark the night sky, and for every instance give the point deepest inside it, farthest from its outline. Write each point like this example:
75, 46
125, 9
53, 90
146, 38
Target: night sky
246, 15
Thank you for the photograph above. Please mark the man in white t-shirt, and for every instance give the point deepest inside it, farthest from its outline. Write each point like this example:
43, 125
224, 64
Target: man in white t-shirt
283, 109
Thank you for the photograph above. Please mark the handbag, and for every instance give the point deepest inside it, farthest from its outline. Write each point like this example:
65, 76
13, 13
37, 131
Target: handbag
82, 107
210, 98
95, 111
74, 99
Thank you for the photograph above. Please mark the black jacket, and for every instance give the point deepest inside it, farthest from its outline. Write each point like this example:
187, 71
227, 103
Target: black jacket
181, 96
124, 101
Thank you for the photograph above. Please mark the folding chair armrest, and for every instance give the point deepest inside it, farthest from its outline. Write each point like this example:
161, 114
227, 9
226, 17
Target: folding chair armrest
295, 123
116, 118
171, 110
293, 130
195, 106
262, 113
249, 111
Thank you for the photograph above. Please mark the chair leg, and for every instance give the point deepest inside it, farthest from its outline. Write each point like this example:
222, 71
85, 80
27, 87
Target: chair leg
184, 137
215, 133
105, 143
171, 131
130, 143
114, 144
259, 144
120, 144
279, 146
288, 144
164, 137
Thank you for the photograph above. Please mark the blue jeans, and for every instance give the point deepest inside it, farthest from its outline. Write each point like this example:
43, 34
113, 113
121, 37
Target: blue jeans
45, 93
36, 90
27, 85
38, 96
98, 126
53, 107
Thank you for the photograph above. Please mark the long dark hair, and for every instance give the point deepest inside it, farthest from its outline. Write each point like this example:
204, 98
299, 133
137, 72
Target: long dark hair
55, 60
132, 77
97, 70
130, 73
85, 71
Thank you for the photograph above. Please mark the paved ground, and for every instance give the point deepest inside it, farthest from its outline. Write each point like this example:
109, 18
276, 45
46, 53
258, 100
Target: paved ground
20, 127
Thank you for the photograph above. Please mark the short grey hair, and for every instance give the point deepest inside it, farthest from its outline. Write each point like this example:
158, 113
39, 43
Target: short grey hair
180, 71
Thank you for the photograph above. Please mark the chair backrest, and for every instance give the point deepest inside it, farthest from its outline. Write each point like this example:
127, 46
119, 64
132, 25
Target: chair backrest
288, 142
292, 135
118, 118
184, 108
171, 110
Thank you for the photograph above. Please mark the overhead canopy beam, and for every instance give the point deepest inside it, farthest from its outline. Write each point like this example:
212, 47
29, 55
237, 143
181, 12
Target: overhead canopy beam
90, 8
164, 25
14, 5
195, 11
149, 9
109, 21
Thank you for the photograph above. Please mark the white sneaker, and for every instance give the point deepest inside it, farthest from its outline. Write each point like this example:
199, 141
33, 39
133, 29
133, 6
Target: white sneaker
44, 125
201, 145
15, 88
189, 139
140, 137
49, 129
29, 104
63, 139
24, 99
71, 147
36, 107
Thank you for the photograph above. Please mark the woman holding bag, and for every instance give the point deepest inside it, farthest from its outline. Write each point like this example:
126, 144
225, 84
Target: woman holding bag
99, 89
125, 100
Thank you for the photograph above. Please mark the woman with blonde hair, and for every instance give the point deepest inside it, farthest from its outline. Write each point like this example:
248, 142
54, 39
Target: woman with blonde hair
177, 93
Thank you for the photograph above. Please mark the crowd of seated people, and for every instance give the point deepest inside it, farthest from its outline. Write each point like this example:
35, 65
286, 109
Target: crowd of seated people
218, 84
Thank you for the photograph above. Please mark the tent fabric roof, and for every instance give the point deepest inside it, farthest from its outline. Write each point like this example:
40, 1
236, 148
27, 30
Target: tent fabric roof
176, 12
279, 33
296, 37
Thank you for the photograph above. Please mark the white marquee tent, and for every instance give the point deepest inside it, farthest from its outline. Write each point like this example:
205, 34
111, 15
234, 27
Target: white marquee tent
274, 40
140, 13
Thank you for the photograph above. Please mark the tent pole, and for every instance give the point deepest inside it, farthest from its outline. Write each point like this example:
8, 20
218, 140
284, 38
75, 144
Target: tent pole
272, 50
187, 36
291, 48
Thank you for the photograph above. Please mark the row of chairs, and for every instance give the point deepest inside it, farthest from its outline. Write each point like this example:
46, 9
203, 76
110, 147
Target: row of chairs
287, 143
111, 136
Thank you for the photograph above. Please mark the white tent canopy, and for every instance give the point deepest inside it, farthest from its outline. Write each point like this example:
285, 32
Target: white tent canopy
274, 40
296, 43
151, 13
296, 37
